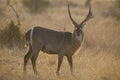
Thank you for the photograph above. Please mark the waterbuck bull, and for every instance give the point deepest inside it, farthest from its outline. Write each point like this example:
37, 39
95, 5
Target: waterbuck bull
55, 42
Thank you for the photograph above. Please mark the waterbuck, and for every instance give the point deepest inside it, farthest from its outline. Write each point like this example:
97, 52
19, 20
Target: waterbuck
55, 42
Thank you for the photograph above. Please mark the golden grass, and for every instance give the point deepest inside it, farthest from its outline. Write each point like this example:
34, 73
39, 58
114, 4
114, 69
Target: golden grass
98, 58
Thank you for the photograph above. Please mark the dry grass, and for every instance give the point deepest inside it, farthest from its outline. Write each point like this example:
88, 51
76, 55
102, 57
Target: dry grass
10, 36
98, 58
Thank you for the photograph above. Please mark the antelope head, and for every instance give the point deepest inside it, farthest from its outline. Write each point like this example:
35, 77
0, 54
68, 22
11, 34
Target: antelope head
78, 33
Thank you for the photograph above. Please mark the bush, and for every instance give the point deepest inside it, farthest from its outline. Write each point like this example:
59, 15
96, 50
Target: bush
115, 10
11, 37
35, 6
2, 14
118, 3
87, 3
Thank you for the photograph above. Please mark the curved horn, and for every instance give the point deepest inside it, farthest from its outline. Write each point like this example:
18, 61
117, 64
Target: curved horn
88, 16
71, 16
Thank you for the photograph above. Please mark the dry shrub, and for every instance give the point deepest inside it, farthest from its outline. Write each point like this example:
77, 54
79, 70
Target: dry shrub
87, 2
11, 37
35, 6
118, 3
2, 14
115, 10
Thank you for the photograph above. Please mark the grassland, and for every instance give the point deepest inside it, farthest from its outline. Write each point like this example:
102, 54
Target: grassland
97, 59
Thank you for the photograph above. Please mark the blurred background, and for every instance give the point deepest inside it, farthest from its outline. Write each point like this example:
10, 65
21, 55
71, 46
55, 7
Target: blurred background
97, 59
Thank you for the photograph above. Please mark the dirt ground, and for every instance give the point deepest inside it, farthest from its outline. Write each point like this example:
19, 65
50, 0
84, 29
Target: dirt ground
97, 59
